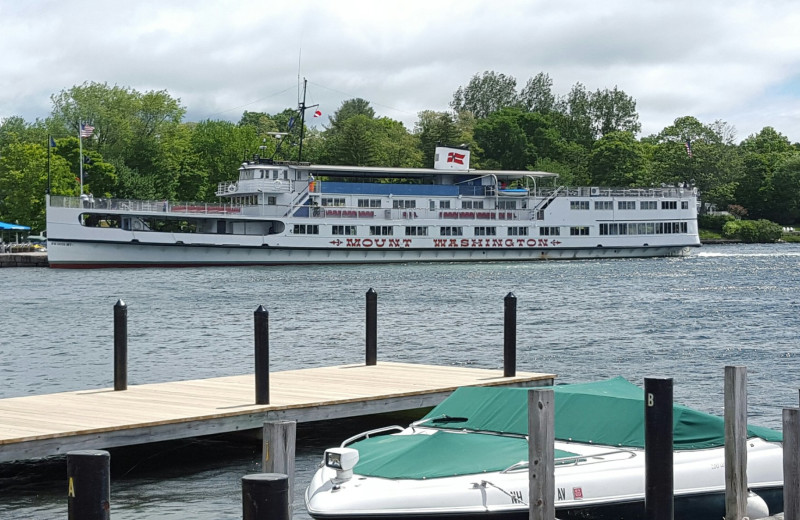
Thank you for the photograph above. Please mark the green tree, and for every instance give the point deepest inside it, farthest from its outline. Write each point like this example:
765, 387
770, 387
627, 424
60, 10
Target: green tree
348, 109
23, 183
354, 142
131, 128
537, 95
761, 155
713, 166
617, 159
396, 147
503, 142
433, 128
785, 206
575, 116
217, 150
613, 111
100, 177
486, 94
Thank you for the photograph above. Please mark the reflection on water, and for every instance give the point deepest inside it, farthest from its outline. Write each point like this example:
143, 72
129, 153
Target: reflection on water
684, 318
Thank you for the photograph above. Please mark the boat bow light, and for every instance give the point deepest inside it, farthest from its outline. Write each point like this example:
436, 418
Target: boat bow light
343, 460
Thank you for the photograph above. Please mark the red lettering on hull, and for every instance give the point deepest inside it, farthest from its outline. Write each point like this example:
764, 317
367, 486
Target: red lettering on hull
449, 243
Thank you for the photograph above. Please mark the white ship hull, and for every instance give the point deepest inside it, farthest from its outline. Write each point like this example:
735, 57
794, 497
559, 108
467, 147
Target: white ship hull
87, 254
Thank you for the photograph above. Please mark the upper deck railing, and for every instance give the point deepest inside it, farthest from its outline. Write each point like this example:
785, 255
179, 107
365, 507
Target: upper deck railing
145, 206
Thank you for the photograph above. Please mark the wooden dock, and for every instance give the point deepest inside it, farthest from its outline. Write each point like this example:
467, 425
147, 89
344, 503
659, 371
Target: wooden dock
39, 426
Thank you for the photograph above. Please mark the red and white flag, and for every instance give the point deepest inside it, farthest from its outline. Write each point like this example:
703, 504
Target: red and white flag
457, 158
317, 113
86, 130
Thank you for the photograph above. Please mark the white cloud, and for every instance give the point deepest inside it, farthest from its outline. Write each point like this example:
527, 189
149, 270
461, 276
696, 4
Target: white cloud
735, 60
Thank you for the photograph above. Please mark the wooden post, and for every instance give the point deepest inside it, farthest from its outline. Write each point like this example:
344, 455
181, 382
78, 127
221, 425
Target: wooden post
120, 346
278, 450
372, 327
791, 463
261, 324
735, 443
88, 485
658, 457
541, 457
510, 335
265, 497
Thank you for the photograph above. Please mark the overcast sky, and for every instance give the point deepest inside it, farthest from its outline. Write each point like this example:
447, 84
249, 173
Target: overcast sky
733, 60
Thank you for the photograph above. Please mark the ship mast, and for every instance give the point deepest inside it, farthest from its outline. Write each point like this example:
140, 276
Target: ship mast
303, 109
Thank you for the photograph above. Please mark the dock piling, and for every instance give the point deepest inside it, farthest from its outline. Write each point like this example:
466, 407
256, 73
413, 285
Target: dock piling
120, 345
278, 450
735, 442
658, 457
261, 326
791, 463
372, 327
265, 496
510, 335
541, 455
88, 485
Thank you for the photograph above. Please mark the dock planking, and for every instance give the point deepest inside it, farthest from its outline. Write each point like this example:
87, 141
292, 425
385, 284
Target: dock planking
39, 426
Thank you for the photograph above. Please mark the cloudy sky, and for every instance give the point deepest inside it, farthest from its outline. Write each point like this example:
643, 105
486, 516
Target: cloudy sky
733, 60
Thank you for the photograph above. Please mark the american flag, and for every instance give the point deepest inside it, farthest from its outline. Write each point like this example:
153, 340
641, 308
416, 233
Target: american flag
86, 130
689, 147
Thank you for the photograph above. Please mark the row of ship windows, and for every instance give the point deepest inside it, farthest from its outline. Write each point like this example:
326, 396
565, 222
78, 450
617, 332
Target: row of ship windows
619, 228
511, 204
628, 204
412, 204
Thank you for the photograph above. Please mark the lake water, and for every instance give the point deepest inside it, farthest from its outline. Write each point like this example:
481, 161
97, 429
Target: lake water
684, 318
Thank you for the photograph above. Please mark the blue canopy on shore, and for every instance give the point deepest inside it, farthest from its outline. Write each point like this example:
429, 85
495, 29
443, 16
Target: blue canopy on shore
13, 227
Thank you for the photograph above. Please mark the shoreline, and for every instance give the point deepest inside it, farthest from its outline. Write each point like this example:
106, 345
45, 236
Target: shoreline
24, 260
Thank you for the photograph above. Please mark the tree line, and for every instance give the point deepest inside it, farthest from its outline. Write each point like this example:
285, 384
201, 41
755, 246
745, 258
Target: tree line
141, 148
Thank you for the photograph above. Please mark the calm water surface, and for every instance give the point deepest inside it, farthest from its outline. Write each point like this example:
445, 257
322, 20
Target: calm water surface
585, 320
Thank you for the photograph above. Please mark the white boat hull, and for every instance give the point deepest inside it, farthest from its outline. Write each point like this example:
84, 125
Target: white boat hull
610, 486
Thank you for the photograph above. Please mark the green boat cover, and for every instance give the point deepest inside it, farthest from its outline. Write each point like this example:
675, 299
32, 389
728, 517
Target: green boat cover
609, 412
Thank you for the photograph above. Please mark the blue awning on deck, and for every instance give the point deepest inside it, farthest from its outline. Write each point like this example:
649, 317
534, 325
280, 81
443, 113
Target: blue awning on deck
13, 227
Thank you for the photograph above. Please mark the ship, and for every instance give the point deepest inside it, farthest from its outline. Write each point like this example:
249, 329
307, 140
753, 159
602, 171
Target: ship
284, 212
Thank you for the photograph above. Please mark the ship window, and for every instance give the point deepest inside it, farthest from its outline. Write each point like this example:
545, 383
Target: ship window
380, 230
403, 203
451, 231
626, 204
416, 231
506, 204
684, 204
603, 204
369, 203
669, 204
472, 204
579, 231
343, 230
306, 229
551, 231
485, 231
517, 231
272, 200
579, 204
444, 204
328, 201
648, 204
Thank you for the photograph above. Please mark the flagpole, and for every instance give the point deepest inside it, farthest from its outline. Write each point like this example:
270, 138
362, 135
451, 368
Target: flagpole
80, 156
49, 140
